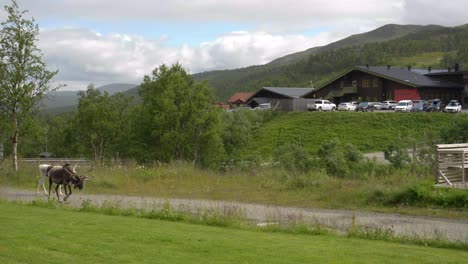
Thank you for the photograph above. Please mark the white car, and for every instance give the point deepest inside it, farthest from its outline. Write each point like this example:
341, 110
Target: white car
389, 105
404, 106
347, 106
321, 105
453, 107
377, 105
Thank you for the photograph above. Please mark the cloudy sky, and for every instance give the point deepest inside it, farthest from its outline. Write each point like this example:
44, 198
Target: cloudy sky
110, 41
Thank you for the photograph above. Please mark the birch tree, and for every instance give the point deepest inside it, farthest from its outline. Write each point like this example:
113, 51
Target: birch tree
24, 79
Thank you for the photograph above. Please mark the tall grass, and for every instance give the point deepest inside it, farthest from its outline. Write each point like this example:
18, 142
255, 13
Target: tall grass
376, 189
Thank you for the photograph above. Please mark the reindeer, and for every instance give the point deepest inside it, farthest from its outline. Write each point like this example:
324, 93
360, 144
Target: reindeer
67, 176
44, 170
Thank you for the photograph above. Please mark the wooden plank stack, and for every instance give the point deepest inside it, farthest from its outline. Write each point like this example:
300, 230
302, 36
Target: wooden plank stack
452, 164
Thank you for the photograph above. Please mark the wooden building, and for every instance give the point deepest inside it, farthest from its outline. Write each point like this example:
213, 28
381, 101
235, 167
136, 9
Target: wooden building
371, 83
239, 99
281, 98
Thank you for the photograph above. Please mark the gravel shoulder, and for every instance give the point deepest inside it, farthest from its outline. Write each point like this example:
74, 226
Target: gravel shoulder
341, 220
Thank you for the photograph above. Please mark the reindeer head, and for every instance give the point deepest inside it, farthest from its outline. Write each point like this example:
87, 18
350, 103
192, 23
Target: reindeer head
79, 181
76, 179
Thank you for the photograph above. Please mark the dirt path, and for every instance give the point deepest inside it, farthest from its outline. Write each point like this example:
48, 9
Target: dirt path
451, 229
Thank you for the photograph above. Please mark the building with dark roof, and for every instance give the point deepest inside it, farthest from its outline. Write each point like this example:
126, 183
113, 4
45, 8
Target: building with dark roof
371, 83
281, 98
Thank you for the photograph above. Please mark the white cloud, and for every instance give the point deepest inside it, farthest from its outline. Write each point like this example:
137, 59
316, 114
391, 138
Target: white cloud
84, 55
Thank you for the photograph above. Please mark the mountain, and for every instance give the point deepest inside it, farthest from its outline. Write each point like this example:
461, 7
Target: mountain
397, 45
384, 33
116, 88
64, 101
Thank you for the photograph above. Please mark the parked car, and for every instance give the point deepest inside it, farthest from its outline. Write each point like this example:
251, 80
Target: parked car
419, 106
389, 105
365, 107
265, 106
453, 107
404, 106
435, 105
321, 105
377, 105
347, 106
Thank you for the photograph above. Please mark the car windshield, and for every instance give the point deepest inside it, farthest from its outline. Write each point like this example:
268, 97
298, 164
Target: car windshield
343, 104
363, 104
402, 103
453, 104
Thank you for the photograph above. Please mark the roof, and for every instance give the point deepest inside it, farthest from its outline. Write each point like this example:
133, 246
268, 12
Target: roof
413, 77
289, 92
243, 97
261, 100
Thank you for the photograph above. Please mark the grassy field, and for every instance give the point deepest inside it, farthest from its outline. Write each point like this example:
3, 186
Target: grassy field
40, 235
370, 132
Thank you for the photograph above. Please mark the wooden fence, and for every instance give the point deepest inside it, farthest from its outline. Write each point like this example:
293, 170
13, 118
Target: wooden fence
58, 161
452, 164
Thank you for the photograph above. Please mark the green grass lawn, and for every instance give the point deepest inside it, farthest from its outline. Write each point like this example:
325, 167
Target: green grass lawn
40, 235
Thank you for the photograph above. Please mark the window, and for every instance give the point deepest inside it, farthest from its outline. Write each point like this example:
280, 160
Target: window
354, 83
366, 83
375, 83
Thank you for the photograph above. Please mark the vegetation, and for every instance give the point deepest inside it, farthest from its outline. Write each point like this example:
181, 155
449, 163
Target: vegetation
179, 118
369, 132
99, 238
24, 78
101, 121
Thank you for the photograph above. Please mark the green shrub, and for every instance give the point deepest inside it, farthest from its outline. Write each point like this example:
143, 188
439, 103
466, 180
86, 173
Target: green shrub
331, 153
424, 194
397, 154
293, 158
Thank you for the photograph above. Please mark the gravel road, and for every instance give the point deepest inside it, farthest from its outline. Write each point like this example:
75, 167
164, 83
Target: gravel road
451, 229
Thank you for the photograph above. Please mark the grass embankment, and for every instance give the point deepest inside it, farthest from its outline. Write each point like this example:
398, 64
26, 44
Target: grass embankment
370, 132
41, 235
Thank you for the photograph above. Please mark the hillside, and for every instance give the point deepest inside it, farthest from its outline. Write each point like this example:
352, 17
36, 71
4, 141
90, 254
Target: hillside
65, 101
391, 44
384, 33
370, 132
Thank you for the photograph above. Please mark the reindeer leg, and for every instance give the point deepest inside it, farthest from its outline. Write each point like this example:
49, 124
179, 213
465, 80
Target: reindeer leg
43, 186
39, 183
56, 192
50, 186
60, 190
69, 192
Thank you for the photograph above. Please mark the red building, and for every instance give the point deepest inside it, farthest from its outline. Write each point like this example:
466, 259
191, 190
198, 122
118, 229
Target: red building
239, 99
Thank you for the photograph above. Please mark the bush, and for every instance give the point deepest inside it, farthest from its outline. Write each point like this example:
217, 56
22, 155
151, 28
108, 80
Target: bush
424, 194
293, 158
397, 154
332, 155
